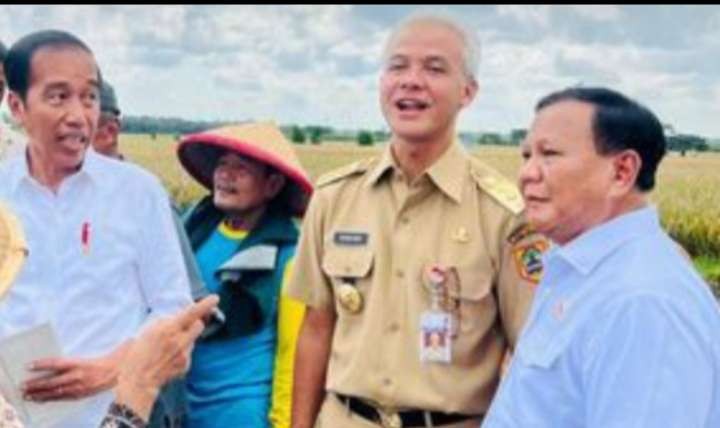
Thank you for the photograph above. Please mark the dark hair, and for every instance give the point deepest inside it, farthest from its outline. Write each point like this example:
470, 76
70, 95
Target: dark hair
18, 62
3, 51
618, 124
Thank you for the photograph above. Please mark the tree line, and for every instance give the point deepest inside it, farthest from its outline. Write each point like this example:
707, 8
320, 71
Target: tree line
315, 134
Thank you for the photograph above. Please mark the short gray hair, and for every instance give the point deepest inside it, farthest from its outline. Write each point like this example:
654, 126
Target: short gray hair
471, 44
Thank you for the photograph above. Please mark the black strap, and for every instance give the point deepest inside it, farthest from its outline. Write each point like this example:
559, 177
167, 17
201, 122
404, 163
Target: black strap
409, 418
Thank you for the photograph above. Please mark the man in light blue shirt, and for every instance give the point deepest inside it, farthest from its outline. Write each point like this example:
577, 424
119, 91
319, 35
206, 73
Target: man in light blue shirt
623, 332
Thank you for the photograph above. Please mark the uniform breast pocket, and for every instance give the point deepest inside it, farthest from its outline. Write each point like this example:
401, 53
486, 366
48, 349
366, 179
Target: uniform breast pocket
349, 271
470, 299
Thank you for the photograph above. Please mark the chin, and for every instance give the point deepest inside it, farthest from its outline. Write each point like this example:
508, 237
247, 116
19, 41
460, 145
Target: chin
220, 202
411, 132
228, 206
539, 223
72, 162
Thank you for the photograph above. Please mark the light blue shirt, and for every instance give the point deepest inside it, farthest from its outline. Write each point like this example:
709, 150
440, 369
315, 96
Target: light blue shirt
623, 333
103, 260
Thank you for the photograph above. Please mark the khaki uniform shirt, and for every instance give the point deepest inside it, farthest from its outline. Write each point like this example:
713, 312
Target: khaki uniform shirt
366, 225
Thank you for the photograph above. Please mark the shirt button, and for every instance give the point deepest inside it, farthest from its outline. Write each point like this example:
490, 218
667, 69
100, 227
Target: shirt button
400, 274
386, 382
404, 220
394, 327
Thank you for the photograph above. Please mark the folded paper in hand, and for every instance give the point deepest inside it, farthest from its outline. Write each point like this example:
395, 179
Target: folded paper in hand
16, 353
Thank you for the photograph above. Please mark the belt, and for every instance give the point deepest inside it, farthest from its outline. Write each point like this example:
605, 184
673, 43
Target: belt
406, 418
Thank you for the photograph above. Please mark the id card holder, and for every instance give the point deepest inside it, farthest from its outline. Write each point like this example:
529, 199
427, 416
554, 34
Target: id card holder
435, 337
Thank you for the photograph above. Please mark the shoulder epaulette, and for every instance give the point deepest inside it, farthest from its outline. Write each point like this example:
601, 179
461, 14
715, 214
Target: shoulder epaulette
500, 188
350, 170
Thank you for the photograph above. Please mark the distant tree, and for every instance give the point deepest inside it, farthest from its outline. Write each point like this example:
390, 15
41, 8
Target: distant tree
297, 135
684, 142
490, 138
316, 133
517, 136
167, 125
365, 138
380, 136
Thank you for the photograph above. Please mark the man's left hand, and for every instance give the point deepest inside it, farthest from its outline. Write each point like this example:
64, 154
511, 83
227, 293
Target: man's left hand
72, 378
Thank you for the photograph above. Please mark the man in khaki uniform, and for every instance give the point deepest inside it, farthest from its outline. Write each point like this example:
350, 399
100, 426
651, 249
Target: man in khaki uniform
417, 267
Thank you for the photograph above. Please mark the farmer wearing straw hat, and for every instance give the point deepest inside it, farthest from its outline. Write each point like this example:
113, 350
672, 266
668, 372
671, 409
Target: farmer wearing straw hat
244, 239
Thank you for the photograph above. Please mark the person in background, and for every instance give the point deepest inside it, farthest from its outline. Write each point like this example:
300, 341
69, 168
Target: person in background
623, 331
104, 259
106, 140
11, 142
244, 238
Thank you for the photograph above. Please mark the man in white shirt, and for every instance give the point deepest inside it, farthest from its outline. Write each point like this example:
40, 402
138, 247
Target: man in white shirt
103, 257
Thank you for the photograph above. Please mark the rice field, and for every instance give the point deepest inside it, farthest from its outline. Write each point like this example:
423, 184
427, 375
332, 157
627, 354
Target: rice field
687, 193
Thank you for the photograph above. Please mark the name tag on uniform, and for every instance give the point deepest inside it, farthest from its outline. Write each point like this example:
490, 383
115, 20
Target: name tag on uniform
435, 337
352, 239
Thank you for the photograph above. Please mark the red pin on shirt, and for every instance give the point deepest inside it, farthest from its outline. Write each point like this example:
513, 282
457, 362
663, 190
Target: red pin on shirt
85, 238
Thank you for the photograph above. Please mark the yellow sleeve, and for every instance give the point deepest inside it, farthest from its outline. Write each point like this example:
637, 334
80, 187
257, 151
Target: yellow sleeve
290, 316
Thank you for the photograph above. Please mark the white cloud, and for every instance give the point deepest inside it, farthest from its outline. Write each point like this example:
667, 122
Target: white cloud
527, 14
600, 13
310, 63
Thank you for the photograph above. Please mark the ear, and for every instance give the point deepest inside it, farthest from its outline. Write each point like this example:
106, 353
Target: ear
626, 167
17, 107
114, 127
274, 185
470, 90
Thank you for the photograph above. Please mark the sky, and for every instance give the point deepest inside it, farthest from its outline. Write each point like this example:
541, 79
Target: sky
318, 64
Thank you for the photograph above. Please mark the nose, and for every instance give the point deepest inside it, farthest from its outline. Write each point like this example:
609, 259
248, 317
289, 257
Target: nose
75, 112
529, 171
411, 79
222, 171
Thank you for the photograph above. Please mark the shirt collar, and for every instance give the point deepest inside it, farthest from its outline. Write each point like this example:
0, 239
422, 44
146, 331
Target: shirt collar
447, 172
387, 162
92, 165
21, 169
586, 251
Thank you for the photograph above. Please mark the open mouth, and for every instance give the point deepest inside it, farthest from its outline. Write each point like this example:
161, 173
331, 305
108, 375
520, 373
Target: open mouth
223, 188
75, 141
409, 105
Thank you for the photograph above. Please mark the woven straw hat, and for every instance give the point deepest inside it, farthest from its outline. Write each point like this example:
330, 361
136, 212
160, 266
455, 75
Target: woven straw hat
13, 249
264, 142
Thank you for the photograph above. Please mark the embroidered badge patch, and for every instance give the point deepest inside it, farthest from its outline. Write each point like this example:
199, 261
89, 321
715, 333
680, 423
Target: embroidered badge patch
528, 260
519, 234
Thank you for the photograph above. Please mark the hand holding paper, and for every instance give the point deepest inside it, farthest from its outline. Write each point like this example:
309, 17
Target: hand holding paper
72, 378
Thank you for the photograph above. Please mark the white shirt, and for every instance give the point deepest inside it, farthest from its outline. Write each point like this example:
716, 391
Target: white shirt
98, 289
12, 143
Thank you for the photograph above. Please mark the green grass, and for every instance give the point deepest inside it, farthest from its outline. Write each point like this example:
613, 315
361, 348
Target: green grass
709, 267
